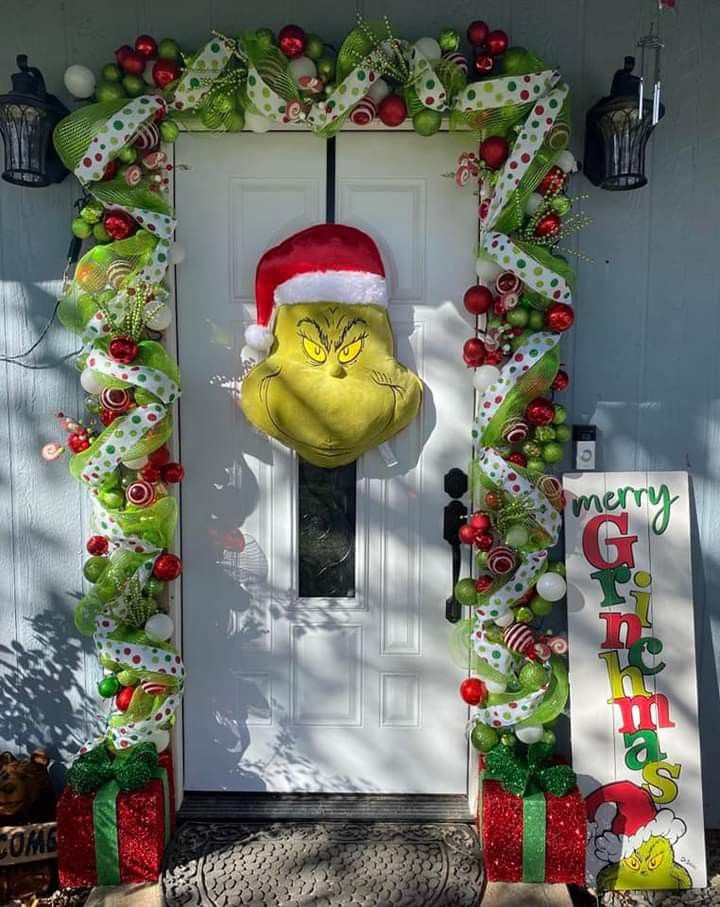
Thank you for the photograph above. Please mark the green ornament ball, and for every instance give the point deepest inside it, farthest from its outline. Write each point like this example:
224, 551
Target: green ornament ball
128, 678
540, 606
508, 740
154, 587
169, 131
111, 72
465, 591
168, 49
532, 676
92, 212
561, 204
536, 320
81, 228
513, 61
563, 433
427, 122
108, 686
535, 465
128, 154
109, 91
112, 499
548, 737
106, 589
556, 567
313, 47
518, 317
494, 633
236, 121
553, 452
94, 567
560, 414
524, 615
532, 449
517, 341
223, 104
483, 738
481, 558
544, 433
449, 40
326, 68
265, 38
100, 234
134, 86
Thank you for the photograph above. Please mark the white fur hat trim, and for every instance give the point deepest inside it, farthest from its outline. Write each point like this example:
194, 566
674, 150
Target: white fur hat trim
333, 286
612, 848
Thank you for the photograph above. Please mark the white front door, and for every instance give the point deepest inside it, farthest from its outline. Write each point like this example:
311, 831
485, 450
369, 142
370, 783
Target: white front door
313, 601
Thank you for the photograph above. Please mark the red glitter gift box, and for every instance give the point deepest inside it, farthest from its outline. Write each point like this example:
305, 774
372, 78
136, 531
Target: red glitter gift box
119, 840
536, 838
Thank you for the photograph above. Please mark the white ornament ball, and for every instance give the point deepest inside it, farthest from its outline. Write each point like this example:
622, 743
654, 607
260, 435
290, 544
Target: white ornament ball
484, 377
161, 740
566, 162
159, 627
177, 253
495, 686
256, 122
551, 586
517, 536
487, 271
79, 81
378, 91
429, 48
533, 203
138, 463
505, 620
89, 381
302, 68
532, 733
159, 316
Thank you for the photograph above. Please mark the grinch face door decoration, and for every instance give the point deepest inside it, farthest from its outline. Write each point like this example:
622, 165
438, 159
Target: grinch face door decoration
329, 385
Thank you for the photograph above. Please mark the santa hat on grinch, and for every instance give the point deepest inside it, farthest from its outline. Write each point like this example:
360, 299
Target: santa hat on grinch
622, 816
325, 263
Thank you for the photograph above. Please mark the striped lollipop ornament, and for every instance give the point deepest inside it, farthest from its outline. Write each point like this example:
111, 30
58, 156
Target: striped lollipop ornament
501, 560
459, 60
147, 137
140, 493
520, 638
363, 112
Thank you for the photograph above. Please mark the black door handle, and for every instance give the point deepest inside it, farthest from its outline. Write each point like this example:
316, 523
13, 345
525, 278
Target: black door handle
454, 515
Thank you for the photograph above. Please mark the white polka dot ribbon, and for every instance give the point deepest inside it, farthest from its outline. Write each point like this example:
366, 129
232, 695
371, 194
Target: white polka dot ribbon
430, 90
267, 101
154, 270
508, 714
197, 79
500, 602
523, 264
504, 474
506, 90
495, 654
112, 446
118, 131
352, 88
150, 379
539, 123
521, 361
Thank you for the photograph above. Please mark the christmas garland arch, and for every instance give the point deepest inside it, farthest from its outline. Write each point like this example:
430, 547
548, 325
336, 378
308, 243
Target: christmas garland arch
518, 111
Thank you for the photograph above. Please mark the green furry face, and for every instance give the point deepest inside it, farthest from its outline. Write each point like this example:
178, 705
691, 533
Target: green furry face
331, 387
651, 865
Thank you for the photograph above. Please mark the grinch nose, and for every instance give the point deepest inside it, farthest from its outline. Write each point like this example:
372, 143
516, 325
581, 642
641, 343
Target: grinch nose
336, 370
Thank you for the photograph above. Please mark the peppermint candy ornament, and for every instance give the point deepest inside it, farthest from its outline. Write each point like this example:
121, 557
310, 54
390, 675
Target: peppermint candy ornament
519, 638
459, 61
133, 175
147, 137
115, 399
501, 560
363, 112
515, 431
140, 493
507, 282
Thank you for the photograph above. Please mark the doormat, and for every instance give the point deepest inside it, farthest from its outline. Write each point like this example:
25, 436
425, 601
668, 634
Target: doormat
343, 864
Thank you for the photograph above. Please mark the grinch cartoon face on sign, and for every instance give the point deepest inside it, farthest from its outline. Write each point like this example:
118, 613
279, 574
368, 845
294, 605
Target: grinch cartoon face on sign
330, 386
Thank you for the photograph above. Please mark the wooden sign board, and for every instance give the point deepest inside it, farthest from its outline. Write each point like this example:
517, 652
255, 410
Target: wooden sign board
25, 843
633, 681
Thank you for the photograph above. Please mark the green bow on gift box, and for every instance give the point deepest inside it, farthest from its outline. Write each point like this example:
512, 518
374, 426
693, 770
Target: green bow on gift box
95, 768
522, 774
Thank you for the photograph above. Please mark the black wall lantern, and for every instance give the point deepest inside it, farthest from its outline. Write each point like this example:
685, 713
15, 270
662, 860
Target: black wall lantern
27, 118
618, 127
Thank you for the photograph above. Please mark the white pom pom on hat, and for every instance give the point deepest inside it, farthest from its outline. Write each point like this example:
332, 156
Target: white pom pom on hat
258, 337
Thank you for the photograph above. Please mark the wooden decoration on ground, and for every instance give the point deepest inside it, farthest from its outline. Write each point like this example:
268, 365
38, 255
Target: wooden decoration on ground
633, 678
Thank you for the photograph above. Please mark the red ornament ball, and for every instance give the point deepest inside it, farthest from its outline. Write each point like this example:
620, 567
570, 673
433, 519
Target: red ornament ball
483, 64
477, 32
167, 567
150, 473
480, 522
473, 691
97, 545
484, 541
473, 352
123, 698
552, 182
493, 500
478, 300
561, 380
110, 171
78, 442
172, 473
119, 224
548, 225
497, 42
392, 110
494, 357
159, 457
164, 72
483, 582
494, 151
108, 416
559, 317
122, 53
123, 350
517, 458
540, 411
292, 40
146, 46
133, 63
466, 534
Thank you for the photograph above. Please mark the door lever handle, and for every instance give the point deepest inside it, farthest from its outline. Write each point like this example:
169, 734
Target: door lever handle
454, 516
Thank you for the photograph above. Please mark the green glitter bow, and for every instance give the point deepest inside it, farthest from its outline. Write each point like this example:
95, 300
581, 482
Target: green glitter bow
523, 774
96, 767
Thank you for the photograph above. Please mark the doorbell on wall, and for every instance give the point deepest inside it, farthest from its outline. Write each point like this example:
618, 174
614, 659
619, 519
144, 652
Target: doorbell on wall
584, 441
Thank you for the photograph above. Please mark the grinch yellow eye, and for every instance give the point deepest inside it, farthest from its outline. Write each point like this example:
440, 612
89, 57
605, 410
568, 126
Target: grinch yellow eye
655, 861
350, 352
314, 350
633, 863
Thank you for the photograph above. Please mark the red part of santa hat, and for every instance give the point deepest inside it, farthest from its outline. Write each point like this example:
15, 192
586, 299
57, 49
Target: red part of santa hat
325, 263
635, 806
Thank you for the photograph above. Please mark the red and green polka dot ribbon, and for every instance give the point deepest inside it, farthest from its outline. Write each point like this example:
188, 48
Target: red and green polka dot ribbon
150, 379
154, 271
352, 89
508, 714
500, 602
109, 449
118, 131
495, 654
265, 100
197, 79
504, 91
430, 90
533, 274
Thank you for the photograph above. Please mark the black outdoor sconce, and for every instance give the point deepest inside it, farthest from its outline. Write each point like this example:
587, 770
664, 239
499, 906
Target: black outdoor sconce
27, 118
618, 127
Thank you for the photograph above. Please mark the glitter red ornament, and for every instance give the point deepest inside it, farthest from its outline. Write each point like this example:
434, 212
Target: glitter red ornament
484, 582
119, 224
553, 181
392, 110
519, 459
122, 53
560, 381
483, 64
292, 40
494, 151
159, 457
110, 171
172, 473
108, 416
97, 545
123, 350
473, 352
466, 534
484, 541
133, 63
123, 698
78, 442
146, 46
167, 567
559, 317
540, 411
478, 300
480, 522
548, 225
477, 32
497, 42
150, 473
494, 357
164, 72
473, 691
493, 500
